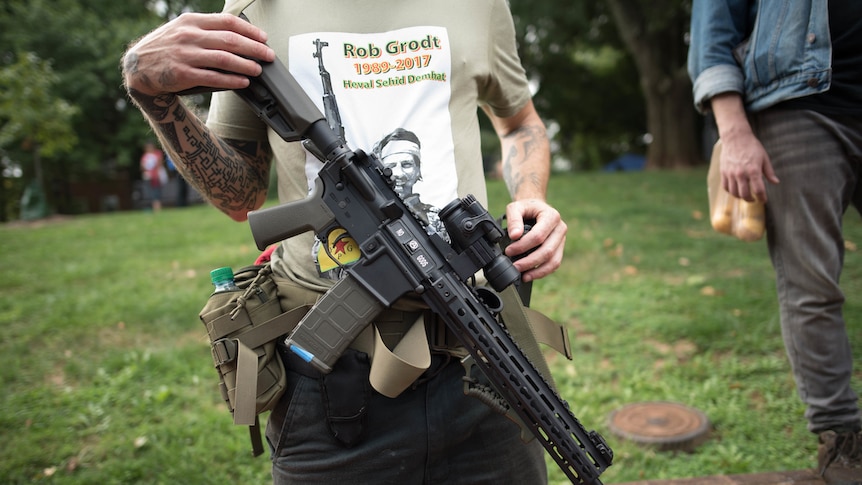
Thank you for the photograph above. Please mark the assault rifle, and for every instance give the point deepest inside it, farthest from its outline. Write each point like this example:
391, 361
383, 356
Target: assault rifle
354, 191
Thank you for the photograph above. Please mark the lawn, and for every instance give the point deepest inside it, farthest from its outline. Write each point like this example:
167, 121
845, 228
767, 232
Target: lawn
107, 375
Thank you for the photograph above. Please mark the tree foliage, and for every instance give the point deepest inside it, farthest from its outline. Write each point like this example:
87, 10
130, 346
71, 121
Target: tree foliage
84, 41
30, 111
586, 80
84, 52
598, 68
611, 73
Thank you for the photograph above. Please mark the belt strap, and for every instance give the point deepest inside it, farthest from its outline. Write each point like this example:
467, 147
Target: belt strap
259, 334
396, 365
246, 386
392, 371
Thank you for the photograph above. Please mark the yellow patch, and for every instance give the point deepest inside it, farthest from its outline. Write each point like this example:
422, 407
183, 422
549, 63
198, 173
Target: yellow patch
342, 250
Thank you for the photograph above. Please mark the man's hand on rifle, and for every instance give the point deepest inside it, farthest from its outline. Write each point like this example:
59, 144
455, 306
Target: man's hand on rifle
526, 169
212, 50
546, 238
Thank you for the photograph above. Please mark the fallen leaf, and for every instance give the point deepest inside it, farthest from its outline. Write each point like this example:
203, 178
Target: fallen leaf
695, 280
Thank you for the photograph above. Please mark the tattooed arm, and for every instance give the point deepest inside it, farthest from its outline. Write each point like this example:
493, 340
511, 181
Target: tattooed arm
526, 153
232, 175
202, 50
526, 169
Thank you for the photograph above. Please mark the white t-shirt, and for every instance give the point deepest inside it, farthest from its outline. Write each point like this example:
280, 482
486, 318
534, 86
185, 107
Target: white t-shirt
407, 78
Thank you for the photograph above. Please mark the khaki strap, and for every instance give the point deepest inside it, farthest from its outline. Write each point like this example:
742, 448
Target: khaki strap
273, 328
246, 385
226, 324
245, 396
258, 335
549, 332
519, 325
393, 371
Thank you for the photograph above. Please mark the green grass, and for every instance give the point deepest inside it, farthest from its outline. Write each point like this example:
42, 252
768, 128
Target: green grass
107, 376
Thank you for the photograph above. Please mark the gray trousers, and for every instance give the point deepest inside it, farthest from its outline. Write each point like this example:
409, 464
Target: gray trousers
430, 434
818, 160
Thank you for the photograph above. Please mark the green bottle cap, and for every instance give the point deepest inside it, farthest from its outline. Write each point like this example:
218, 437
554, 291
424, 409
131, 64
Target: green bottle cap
221, 274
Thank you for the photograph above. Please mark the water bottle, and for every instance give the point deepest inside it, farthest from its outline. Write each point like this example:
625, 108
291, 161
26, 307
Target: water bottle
222, 279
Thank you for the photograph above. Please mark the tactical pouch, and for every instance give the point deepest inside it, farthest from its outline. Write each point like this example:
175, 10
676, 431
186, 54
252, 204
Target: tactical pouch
243, 327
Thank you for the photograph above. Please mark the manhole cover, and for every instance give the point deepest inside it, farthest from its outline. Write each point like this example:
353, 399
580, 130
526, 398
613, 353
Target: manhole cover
662, 425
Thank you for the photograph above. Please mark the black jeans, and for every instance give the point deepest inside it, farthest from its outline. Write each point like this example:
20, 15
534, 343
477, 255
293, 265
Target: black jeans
429, 434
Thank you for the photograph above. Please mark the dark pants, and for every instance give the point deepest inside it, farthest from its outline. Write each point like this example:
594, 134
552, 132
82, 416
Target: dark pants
817, 159
427, 435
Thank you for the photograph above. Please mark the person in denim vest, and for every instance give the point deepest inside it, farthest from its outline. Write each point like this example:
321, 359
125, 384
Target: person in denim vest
781, 78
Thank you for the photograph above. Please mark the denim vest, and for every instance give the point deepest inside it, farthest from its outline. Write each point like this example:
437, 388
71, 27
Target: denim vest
768, 50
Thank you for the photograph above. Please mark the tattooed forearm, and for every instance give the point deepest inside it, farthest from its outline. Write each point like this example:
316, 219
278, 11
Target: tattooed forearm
524, 159
242, 176
156, 108
232, 175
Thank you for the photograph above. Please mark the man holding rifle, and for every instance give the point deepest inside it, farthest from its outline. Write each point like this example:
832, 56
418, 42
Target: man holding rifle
424, 67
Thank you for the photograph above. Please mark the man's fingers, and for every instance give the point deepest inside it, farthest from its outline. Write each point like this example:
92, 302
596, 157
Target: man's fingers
222, 22
210, 51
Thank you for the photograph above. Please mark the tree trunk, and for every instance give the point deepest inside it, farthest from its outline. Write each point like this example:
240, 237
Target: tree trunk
660, 54
673, 124
3, 202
